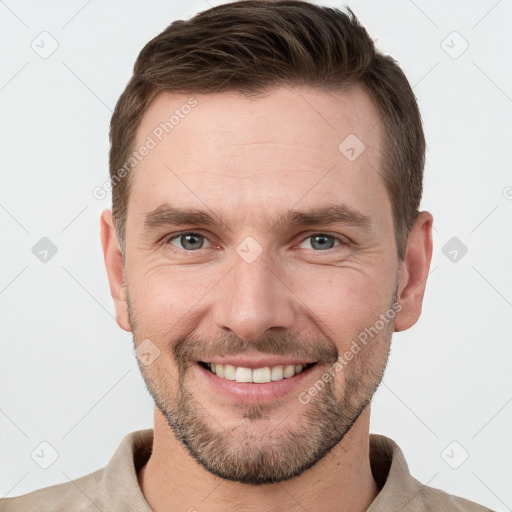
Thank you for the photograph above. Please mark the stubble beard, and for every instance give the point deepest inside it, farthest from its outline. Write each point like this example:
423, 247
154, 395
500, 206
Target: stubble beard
258, 451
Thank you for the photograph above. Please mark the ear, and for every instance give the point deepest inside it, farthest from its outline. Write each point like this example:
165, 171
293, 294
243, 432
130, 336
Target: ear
115, 268
413, 272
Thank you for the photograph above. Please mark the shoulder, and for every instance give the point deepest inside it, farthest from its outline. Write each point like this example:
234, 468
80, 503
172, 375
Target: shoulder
399, 490
432, 499
84, 494
113, 486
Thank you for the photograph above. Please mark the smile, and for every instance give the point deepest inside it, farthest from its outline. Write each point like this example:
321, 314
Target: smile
261, 375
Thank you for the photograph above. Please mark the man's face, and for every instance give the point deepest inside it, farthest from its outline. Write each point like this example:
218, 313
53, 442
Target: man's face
254, 285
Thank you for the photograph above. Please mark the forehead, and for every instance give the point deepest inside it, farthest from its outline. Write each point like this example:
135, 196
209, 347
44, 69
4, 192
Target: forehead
285, 146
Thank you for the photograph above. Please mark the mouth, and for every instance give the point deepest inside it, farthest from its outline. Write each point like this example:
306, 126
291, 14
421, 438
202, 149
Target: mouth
242, 384
262, 375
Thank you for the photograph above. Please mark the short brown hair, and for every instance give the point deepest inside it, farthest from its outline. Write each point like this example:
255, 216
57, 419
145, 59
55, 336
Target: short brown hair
251, 46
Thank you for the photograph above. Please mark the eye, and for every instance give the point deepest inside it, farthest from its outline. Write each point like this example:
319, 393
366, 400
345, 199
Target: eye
187, 241
323, 241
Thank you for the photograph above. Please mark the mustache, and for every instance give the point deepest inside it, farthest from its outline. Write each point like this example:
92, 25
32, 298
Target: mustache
196, 347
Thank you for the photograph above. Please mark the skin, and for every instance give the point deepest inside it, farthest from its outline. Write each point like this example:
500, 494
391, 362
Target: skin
248, 160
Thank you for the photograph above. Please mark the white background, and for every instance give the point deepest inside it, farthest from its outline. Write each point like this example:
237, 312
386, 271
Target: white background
68, 375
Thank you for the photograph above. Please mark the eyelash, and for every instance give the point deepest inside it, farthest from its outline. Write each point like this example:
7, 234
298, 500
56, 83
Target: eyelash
166, 241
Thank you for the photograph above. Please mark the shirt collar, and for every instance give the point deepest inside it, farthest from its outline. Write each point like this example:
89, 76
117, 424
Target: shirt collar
398, 487
120, 482
122, 491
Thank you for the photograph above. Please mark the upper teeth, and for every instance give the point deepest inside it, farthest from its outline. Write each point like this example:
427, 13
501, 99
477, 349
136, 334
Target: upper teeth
259, 375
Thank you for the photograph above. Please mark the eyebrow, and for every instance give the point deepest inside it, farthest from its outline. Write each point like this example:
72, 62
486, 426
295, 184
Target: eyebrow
166, 215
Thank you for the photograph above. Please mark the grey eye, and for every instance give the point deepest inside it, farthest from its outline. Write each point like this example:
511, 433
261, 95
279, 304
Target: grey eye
189, 241
321, 241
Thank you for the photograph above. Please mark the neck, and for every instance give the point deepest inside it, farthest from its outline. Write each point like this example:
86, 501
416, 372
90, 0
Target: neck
341, 481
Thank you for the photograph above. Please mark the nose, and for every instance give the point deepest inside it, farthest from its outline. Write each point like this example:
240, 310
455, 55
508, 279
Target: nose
253, 298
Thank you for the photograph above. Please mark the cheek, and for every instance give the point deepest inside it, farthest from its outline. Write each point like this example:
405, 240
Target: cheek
168, 299
343, 302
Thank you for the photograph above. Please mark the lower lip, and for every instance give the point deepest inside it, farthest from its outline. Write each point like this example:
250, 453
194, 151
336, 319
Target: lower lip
249, 391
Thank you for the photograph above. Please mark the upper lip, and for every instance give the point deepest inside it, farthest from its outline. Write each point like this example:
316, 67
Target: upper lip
251, 362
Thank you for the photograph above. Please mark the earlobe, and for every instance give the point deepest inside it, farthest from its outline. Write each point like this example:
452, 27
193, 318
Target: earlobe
115, 268
414, 272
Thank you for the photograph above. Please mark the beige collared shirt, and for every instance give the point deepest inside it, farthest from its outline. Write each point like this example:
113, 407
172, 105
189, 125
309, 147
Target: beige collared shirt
115, 487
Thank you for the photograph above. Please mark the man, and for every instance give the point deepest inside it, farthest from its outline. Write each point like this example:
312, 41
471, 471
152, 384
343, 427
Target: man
264, 244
